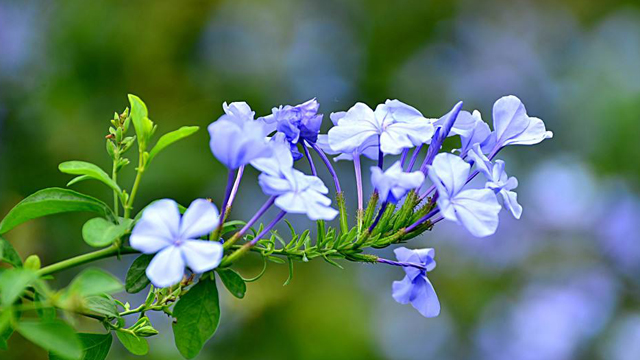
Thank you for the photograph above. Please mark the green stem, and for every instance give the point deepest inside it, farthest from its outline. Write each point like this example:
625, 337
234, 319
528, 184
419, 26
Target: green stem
85, 258
342, 207
116, 196
134, 189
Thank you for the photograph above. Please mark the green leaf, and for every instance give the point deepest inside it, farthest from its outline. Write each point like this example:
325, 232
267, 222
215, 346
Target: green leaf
94, 346
52, 201
290, 272
47, 312
169, 138
8, 254
94, 282
78, 179
231, 226
99, 232
102, 304
136, 345
136, 279
233, 282
88, 169
197, 317
5, 328
140, 117
54, 335
13, 282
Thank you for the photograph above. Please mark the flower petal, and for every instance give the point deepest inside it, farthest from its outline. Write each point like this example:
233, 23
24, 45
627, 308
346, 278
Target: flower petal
450, 171
166, 268
200, 219
477, 210
401, 290
201, 255
510, 202
424, 298
157, 228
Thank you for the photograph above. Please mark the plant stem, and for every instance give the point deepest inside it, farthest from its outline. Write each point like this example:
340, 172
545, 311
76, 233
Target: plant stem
342, 207
246, 247
227, 244
358, 171
114, 177
422, 219
311, 164
215, 234
85, 258
414, 157
136, 185
327, 162
383, 207
234, 190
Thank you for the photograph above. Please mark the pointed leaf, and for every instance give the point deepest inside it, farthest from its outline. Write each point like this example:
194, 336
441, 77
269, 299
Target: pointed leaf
136, 345
88, 169
52, 201
233, 282
55, 336
197, 317
169, 138
13, 282
8, 254
94, 282
140, 118
99, 232
101, 304
137, 279
94, 346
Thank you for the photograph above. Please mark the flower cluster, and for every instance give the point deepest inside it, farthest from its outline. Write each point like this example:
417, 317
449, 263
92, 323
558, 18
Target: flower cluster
410, 196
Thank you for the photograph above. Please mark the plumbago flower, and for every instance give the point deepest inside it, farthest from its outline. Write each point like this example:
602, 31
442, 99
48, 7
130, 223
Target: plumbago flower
498, 180
395, 124
176, 240
512, 126
393, 184
476, 209
203, 241
236, 138
416, 288
294, 191
475, 131
368, 148
298, 123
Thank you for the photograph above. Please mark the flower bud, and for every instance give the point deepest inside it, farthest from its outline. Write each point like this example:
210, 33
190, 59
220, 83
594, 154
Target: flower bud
32, 262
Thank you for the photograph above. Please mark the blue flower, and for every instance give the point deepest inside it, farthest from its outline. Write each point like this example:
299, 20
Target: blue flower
512, 125
295, 192
236, 138
397, 126
393, 184
443, 128
369, 148
476, 209
472, 130
161, 230
416, 288
497, 180
296, 122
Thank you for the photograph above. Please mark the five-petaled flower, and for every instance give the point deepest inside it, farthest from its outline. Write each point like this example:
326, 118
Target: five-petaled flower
175, 239
236, 138
476, 209
295, 192
512, 125
498, 180
396, 125
416, 288
393, 184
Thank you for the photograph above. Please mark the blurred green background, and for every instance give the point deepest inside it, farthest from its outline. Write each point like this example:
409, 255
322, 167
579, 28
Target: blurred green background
561, 283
